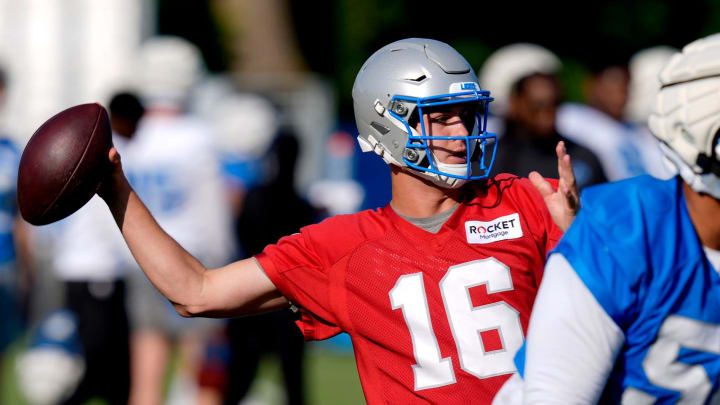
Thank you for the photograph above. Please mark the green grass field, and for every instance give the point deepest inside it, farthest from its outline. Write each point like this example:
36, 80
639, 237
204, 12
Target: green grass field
331, 378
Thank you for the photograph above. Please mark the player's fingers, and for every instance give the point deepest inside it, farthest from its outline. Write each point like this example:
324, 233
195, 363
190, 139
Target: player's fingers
566, 174
560, 150
565, 169
542, 185
572, 200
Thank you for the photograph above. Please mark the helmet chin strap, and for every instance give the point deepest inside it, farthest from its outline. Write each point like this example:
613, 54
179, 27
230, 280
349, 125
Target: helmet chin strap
459, 169
707, 183
442, 181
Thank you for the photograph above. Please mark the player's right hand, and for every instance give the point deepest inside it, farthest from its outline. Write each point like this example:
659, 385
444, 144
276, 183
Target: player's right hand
564, 202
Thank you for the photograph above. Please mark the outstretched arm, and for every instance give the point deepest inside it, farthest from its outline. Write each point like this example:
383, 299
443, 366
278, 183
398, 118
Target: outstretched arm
236, 289
564, 203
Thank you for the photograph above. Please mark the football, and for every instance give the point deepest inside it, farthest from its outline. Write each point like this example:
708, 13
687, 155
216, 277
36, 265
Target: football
64, 163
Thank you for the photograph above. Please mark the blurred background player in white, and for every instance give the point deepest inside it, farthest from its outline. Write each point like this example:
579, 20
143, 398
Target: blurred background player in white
629, 311
645, 66
51, 367
245, 125
15, 276
174, 165
531, 94
93, 263
601, 126
505, 67
379, 275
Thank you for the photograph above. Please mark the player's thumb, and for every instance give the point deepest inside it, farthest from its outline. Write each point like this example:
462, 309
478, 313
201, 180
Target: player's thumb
113, 178
542, 185
114, 157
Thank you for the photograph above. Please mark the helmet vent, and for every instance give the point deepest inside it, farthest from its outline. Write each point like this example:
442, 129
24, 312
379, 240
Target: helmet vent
380, 128
419, 79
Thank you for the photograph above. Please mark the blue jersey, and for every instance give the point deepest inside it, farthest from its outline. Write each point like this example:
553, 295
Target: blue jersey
635, 248
10, 323
9, 162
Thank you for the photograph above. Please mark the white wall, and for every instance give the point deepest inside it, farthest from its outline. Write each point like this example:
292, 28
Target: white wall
59, 53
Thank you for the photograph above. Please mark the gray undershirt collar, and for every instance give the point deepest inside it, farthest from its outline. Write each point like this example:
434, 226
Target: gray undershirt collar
431, 224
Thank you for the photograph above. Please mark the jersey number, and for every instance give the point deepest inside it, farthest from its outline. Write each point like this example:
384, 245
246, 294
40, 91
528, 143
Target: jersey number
662, 367
466, 322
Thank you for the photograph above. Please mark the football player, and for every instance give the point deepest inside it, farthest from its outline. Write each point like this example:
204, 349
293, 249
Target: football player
435, 289
629, 308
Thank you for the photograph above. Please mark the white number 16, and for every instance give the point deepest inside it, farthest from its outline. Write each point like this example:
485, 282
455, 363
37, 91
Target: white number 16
466, 323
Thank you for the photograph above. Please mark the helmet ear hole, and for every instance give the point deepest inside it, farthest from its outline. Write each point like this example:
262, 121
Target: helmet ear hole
714, 164
414, 118
714, 148
710, 163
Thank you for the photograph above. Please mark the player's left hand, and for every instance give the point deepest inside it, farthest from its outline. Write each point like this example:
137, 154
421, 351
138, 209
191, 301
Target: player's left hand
564, 203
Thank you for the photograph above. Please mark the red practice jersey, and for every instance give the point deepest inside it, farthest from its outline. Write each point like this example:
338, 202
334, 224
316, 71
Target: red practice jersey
434, 318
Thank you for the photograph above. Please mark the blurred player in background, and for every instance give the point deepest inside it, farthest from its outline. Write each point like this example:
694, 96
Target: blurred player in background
53, 364
527, 93
600, 124
15, 277
530, 134
505, 67
436, 288
629, 310
645, 66
93, 263
173, 164
270, 212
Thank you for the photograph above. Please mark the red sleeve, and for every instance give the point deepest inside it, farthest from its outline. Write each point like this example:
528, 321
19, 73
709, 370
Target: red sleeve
308, 269
297, 271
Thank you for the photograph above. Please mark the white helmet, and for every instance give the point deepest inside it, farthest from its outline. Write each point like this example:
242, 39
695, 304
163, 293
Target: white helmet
507, 65
645, 66
168, 68
396, 83
687, 114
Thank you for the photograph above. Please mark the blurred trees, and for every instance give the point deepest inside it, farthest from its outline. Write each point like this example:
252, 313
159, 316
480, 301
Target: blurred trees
335, 37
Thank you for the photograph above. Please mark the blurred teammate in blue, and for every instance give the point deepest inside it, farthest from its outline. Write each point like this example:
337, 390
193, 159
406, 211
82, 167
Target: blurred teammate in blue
629, 308
12, 284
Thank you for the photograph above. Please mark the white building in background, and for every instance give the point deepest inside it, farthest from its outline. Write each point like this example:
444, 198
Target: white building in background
60, 53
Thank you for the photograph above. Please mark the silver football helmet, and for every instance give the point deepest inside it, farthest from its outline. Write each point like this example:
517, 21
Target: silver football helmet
397, 85
686, 117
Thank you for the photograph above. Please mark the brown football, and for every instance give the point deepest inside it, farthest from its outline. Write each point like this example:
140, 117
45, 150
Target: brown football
63, 163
